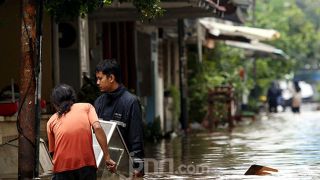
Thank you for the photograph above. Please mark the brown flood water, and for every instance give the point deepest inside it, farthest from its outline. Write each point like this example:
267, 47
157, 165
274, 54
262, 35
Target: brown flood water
284, 141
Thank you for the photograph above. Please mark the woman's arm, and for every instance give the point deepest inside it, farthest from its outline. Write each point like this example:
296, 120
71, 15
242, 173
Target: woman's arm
102, 139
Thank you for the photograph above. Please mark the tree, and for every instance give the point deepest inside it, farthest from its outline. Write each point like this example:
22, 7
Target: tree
299, 35
299, 39
62, 9
26, 117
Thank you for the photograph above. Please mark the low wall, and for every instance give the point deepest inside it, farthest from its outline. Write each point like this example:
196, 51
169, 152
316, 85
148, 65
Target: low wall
9, 151
8, 127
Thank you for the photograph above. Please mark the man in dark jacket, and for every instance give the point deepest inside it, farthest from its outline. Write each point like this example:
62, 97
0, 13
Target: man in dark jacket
119, 105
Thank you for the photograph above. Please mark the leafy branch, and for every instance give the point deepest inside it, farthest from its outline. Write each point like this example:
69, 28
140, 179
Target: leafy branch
70, 9
148, 9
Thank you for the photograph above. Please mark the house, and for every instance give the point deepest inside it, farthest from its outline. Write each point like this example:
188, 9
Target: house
151, 54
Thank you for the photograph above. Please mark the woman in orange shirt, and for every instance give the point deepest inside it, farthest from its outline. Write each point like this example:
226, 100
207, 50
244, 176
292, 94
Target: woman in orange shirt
70, 137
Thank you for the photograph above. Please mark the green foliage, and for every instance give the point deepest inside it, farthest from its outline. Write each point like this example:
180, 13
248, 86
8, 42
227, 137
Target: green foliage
299, 34
70, 9
148, 9
220, 66
311, 9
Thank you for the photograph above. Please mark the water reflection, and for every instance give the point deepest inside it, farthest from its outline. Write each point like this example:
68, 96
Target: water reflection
287, 142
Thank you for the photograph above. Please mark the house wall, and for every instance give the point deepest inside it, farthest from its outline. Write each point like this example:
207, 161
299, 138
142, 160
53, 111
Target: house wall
95, 45
144, 65
69, 54
146, 69
10, 52
9, 42
150, 73
118, 40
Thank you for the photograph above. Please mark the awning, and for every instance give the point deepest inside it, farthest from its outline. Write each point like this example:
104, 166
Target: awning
243, 37
218, 29
258, 48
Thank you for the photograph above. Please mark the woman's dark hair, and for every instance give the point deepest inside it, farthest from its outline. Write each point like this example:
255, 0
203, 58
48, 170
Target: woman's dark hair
297, 86
63, 97
108, 67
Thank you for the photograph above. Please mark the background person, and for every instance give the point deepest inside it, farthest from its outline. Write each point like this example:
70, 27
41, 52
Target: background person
296, 98
119, 105
273, 97
70, 137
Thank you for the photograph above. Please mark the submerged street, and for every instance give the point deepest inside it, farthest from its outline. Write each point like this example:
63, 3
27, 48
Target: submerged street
284, 141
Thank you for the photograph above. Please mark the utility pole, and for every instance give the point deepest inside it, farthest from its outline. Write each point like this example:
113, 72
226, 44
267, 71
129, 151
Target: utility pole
182, 78
26, 115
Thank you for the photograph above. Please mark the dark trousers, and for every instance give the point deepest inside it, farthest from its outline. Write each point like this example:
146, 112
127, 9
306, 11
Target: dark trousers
295, 109
84, 173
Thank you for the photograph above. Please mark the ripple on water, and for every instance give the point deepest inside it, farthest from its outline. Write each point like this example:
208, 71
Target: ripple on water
283, 141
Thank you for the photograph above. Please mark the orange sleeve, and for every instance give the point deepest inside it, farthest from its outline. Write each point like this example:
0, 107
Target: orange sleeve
93, 117
50, 135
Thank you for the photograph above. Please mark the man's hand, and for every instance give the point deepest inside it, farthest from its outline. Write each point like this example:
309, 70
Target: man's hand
111, 165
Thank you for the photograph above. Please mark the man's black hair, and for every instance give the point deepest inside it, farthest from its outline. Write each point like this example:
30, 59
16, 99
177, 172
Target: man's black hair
108, 67
63, 97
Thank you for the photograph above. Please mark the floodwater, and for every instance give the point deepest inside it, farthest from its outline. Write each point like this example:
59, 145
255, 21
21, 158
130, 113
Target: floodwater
284, 141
